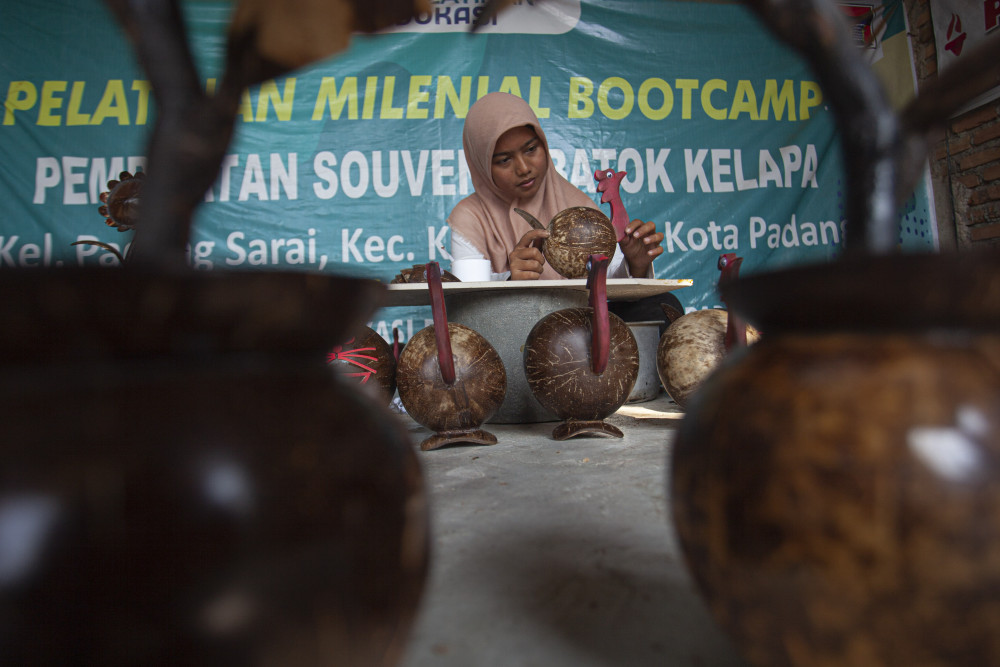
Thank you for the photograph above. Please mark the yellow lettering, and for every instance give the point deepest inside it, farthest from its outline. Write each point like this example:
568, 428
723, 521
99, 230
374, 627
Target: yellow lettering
779, 101
418, 95
686, 86
21, 96
113, 104
371, 94
810, 96
666, 91
446, 93
245, 109
389, 111
535, 92
628, 97
710, 87
142, 104
268, 96
50, 103
329, 95
511, 85
580, 104
73, 115
744, 101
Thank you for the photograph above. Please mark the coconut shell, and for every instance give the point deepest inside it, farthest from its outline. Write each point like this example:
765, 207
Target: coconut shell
575, 234
367, 361
480, 380
557, 365
691, 347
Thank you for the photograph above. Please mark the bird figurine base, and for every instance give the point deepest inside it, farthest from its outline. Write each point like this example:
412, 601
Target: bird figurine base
572, 428
475, 436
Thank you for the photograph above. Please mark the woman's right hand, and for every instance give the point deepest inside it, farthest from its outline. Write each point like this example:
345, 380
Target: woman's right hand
526, 261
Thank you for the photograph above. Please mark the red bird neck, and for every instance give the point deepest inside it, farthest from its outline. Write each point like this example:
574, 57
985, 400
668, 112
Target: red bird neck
600, 340
619, 216
736, 328
445, 358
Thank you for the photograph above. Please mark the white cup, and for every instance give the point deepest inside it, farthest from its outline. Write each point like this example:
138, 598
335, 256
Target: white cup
472, 270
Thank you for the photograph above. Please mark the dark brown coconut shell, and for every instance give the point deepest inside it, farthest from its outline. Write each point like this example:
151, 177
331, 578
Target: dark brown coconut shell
120, 204
480, 380
196, 488
557, 365
575, 234
367, 361
691, 347
418, 274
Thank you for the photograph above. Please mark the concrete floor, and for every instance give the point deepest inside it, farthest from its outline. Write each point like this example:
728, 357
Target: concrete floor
553, 554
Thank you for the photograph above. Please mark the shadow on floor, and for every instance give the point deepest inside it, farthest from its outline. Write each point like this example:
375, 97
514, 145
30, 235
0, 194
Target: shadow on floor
610, 600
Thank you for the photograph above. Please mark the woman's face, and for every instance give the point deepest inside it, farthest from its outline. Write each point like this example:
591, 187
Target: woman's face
519, 163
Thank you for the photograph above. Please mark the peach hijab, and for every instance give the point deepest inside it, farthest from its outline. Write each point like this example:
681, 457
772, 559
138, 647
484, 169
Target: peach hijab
485, 218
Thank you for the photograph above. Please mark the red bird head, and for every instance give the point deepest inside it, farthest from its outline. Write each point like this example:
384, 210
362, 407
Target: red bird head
608, 182
729, 266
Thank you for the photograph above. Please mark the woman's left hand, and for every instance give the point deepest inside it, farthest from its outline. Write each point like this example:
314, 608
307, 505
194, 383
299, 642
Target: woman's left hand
641, 246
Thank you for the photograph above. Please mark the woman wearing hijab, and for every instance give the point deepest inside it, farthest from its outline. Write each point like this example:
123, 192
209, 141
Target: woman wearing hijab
508, 158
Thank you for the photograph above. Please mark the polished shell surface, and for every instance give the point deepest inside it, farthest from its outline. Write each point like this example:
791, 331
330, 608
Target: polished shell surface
575, 234
366, 361
479, 387
836, 498
690, 348
557, 365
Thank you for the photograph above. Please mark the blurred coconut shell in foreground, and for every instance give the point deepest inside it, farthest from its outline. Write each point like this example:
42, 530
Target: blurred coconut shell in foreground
294, 33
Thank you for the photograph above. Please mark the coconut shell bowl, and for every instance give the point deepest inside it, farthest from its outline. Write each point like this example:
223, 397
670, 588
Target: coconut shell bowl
581, 363
450, 379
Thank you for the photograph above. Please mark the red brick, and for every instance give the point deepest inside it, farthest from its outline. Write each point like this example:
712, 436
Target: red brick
991, 173
985, 194
983, 232
975, 158
954, 146
970, 180
990, 213
973, 119
984, 133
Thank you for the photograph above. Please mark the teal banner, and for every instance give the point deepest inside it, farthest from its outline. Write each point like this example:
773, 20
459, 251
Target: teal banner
353, 164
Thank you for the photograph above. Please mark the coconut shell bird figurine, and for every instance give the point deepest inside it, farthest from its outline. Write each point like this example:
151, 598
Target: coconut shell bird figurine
450, 378
369, 361
582, 363
695, 343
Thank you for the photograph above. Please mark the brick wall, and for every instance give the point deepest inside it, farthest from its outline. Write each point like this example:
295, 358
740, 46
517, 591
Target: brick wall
965, 163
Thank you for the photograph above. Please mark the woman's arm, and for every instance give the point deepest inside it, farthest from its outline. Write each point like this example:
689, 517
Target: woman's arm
462, 248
